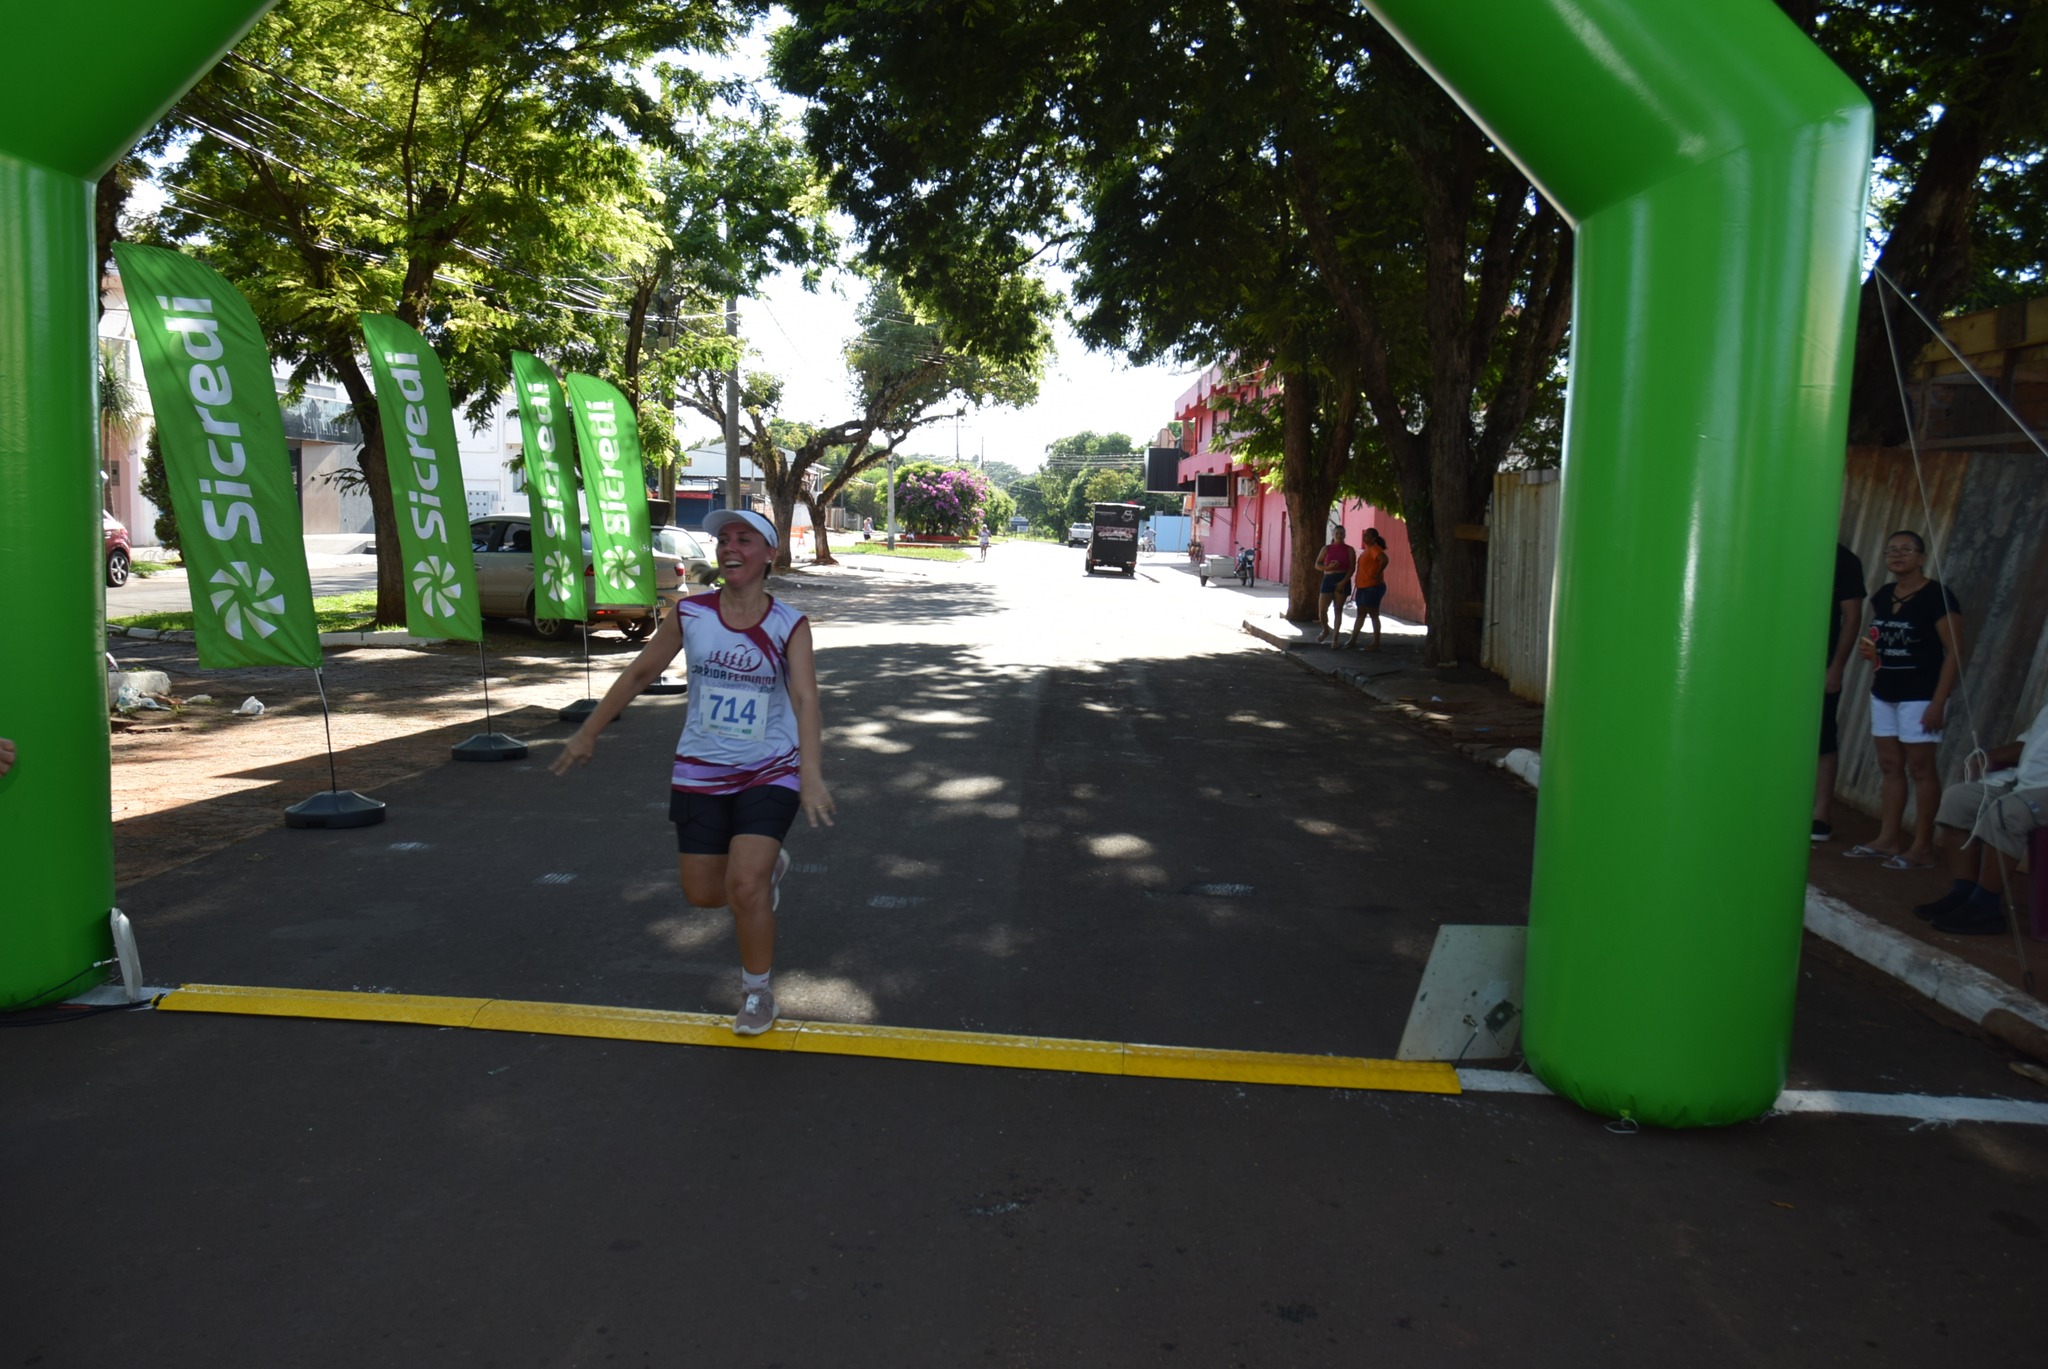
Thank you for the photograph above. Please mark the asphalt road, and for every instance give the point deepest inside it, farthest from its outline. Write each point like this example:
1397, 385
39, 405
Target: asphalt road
1070, 806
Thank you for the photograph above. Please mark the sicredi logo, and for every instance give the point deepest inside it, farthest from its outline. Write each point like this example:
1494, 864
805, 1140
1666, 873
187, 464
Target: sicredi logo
611, 484
428, 522
224, 503
547, 475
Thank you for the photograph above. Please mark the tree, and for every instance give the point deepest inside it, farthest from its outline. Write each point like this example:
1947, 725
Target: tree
1298, 195
735, 198
906, 369
1961, 203
468, 168
155, 486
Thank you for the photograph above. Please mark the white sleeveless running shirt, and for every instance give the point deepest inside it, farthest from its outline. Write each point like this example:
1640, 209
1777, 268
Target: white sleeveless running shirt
741, 731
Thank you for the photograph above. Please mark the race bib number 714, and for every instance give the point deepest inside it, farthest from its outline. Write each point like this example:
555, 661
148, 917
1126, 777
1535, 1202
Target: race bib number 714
739, 715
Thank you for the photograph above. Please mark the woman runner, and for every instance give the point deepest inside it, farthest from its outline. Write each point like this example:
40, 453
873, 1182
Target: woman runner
748, 757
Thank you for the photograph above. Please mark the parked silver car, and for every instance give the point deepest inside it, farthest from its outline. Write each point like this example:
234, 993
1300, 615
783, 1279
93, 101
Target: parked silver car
503, 544
698, 558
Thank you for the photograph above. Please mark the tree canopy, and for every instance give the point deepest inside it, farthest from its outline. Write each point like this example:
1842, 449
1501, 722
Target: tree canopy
475, 169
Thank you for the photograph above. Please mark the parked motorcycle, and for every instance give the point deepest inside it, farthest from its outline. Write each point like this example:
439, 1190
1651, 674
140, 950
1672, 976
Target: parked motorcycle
1246, 558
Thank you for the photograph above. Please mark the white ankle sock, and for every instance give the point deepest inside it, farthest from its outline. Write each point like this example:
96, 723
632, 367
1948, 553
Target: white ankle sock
751, 981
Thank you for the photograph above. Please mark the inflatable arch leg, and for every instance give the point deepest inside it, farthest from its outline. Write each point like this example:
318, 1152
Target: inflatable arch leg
87, 80
1715, 165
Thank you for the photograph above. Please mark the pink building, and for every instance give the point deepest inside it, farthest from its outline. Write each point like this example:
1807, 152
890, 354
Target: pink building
1256, 516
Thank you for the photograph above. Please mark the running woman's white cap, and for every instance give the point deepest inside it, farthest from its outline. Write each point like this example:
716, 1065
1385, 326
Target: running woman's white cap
722, 517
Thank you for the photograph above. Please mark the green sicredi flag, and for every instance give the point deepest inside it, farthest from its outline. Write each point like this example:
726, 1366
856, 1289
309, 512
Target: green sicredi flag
225, 457
608, 438
550, 491
426, 481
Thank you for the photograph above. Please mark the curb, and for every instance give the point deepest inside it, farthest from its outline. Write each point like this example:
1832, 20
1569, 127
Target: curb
1947, 979
152, 634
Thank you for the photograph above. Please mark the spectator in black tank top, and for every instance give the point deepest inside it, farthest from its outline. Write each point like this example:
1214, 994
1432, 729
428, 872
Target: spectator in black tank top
1914, 639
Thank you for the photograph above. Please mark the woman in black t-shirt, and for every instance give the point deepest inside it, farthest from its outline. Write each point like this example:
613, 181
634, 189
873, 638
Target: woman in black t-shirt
1914, 637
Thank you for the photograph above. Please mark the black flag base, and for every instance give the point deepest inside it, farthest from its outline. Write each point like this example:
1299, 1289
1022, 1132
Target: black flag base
578, 711
489, 746
335, 808
669, 684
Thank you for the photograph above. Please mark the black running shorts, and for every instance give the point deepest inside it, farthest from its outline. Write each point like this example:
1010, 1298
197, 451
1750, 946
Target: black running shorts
707, 823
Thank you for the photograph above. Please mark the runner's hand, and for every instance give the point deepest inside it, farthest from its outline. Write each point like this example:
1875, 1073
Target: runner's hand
576, 751
817, 803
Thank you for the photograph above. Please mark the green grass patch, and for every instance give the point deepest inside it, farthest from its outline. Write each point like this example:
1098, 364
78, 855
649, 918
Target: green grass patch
911, 550
333, 613
150, 567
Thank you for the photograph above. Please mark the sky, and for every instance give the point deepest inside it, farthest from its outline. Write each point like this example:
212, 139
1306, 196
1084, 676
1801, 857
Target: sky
797, 335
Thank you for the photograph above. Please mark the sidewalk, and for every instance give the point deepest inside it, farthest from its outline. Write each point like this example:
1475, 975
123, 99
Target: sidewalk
1855, 904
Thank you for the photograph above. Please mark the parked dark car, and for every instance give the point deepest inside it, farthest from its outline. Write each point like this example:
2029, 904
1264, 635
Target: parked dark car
119, 554
1113, 538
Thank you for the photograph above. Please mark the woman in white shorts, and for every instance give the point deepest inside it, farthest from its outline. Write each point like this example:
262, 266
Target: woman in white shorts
1914, 638
747, 760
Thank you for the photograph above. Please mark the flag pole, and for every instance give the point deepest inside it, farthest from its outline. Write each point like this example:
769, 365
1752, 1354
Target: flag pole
489, 744
337, 807
585, 706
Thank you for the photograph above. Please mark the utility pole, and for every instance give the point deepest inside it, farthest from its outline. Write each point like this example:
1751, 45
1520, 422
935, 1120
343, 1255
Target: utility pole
734, 499
889, 539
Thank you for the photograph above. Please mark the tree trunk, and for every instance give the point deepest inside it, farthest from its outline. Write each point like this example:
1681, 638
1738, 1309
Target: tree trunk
1457, 580
823, 552
1308, 507
383, 512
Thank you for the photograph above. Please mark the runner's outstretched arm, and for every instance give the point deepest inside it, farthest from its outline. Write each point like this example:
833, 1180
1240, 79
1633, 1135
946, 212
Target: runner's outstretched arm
646, 668
810, 726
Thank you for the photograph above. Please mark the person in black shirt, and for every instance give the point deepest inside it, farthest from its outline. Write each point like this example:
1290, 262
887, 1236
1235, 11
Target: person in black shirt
1915, 635
1845, 615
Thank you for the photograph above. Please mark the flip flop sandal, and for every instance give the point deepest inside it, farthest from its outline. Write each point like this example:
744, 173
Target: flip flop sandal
1860, 852
1901, 863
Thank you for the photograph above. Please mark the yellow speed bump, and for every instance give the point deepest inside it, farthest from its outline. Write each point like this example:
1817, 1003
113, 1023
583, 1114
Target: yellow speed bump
418, 1009
828, 1038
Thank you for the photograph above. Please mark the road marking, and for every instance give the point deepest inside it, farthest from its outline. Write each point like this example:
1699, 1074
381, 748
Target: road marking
1912, 1107
556, 879
826, 1038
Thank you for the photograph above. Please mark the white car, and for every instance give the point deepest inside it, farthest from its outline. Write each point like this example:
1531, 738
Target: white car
1079, 533
503, 545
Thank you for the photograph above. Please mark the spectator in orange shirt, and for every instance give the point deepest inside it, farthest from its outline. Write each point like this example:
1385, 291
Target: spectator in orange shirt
1368, 586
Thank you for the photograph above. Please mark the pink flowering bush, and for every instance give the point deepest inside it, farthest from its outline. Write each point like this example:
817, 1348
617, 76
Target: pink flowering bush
941, 501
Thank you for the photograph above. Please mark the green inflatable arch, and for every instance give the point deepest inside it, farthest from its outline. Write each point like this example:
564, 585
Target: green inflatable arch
1714, 164
85, 82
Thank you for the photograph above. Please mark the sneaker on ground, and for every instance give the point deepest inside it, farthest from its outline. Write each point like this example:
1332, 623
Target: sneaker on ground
756, 1014
775, 884
1822, 832
1974, 918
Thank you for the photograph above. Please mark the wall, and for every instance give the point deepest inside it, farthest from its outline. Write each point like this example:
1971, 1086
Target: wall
1982, 513
1521, 566
1260, 519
